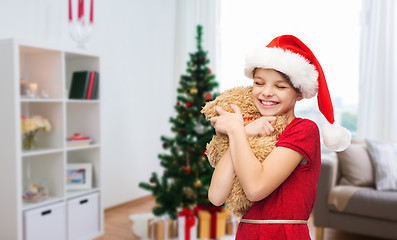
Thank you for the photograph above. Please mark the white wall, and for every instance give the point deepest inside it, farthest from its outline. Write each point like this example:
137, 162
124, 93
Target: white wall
135, 39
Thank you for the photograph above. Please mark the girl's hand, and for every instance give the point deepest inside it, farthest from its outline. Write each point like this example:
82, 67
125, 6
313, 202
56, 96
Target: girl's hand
227, 121
263, 126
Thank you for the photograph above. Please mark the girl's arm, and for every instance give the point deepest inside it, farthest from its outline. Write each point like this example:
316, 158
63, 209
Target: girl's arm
222, 180
258, 179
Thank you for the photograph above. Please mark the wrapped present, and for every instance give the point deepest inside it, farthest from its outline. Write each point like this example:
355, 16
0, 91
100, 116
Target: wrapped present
160, 228
140, 224
231, 223
212, 222
187, 225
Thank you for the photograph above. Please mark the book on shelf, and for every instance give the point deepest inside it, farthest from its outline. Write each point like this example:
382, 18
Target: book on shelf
90, 85
78, 143
84, 85
78, 140
94, 94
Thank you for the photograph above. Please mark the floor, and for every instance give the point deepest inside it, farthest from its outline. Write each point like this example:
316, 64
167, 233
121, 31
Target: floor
118, 225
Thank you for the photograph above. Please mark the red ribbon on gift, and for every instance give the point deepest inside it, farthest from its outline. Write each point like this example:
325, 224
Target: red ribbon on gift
213, 210
190, 220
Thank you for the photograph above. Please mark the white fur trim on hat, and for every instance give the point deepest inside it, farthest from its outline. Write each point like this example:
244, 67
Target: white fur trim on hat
302, 73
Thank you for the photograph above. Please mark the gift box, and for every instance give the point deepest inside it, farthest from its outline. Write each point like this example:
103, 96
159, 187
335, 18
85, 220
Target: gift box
187, 225
160, 228
140, 224
212, 222
231, 223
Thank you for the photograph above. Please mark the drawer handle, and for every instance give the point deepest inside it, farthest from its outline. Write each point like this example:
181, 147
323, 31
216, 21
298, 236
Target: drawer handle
84, 201
46, 212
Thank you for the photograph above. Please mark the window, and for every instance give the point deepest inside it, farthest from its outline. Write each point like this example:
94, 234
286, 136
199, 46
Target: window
331, 29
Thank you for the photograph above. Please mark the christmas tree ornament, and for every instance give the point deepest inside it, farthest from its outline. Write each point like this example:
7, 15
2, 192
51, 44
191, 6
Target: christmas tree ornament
204, 152
197, 183
292, 57
187, 159
209, 70
189, 192
188, 104
199, 128
187, 170
152, 180
193, 91
208, 96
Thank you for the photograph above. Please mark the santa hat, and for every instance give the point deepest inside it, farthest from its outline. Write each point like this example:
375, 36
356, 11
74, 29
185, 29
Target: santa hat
289, 55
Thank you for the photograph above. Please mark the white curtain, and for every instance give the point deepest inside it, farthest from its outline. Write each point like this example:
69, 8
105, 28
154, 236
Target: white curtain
377, 118
189, 15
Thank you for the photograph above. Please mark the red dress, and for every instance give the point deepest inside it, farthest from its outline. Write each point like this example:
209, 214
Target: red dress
294, 198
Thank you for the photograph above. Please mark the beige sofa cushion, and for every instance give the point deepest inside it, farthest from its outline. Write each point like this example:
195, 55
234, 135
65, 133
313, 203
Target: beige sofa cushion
356, 166
372, 203
384, 159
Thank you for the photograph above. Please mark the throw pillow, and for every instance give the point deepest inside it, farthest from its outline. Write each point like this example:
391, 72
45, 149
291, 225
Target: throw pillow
355, 166
384, 158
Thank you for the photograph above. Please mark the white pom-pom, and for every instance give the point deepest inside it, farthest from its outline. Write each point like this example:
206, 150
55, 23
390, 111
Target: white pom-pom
335, 137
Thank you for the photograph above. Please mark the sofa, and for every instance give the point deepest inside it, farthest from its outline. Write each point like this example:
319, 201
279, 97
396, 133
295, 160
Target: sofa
353, 193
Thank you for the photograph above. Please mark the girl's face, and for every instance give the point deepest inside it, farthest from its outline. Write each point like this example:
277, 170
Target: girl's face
273, 94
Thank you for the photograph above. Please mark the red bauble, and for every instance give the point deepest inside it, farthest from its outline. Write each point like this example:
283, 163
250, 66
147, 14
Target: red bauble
188, 104
187, 170
177, 103
208, 96
209, 70
204, 152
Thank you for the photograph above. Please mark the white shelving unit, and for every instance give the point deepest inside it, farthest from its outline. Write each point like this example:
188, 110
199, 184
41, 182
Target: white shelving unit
51, 68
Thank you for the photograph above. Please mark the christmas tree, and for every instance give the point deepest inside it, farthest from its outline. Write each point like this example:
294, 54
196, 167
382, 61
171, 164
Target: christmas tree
187, 173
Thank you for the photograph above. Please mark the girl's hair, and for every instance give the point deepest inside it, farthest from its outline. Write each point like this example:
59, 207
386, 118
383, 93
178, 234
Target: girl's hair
286, 77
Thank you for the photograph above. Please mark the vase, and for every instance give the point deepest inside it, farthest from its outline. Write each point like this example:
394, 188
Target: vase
29, 140
80, 31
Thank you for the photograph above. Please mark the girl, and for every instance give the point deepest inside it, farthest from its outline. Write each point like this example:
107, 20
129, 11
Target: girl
283, 187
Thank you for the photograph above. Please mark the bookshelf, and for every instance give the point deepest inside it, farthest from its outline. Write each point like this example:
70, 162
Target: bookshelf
51, 68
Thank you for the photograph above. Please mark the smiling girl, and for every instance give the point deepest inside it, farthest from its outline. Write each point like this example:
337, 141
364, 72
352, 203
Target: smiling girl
283, 187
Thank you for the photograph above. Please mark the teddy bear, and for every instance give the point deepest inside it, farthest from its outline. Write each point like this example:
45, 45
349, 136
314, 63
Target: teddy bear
237, 201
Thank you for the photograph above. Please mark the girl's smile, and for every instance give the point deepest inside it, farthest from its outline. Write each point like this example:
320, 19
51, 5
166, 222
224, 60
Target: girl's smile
273, 94
268, 104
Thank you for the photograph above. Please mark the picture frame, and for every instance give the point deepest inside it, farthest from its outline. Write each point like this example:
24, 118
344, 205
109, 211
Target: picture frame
79, 176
